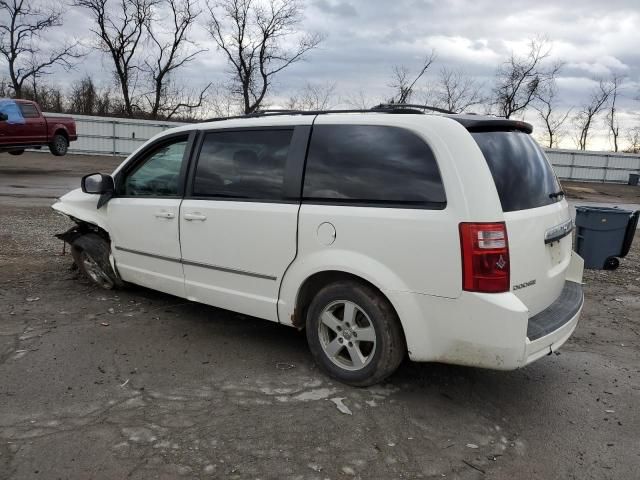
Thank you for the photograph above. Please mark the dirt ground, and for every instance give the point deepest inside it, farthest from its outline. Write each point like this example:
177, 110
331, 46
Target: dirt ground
138, 384
602, 192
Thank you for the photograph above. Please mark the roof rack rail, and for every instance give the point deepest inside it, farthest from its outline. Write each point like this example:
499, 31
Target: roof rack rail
410, 108
277, 112
381, 108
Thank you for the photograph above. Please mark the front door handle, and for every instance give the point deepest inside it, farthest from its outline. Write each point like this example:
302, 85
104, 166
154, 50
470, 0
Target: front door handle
164, 214
195, 216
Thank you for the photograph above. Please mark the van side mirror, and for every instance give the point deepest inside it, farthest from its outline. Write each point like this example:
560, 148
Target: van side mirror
97, 183
3, 117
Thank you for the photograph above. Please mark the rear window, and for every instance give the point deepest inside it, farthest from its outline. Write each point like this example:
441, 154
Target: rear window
372, 165
29, 111
522, 174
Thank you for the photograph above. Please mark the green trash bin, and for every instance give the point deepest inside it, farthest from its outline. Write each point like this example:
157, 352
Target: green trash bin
604, 234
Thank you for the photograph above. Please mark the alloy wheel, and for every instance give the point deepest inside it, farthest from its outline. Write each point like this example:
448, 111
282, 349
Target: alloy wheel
95, 271
347, 336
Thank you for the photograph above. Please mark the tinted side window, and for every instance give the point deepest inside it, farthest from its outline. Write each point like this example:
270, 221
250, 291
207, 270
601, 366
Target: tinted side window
29, 111
371, 164
522, 174
158, 174
243, 164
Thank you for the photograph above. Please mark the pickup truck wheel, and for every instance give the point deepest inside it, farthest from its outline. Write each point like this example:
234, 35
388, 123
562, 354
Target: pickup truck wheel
354, 334
16, 152
90, 253
59, 145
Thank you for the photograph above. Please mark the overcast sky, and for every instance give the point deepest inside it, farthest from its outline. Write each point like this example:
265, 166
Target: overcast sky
364, 39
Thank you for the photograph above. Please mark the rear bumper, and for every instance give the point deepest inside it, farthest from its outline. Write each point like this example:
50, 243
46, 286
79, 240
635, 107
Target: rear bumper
488, 330
547, 331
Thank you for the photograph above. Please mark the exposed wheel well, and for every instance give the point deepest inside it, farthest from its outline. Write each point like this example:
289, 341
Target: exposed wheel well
90, 227
316, 282
82, 228
63, 132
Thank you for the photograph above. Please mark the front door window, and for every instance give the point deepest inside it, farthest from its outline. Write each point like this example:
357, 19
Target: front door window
159, 173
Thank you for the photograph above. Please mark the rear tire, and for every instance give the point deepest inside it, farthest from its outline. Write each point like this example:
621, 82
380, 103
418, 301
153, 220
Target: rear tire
90, 253
354, 334
59, 145
16, 152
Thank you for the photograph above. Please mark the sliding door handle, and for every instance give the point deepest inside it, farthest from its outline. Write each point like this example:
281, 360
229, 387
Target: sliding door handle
194, 216
164, 214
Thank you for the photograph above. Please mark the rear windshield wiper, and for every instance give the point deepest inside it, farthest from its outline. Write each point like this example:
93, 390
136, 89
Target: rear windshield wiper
557, 194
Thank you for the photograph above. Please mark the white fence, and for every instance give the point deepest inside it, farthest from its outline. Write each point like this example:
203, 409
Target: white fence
113, 136
121, 136
593, 166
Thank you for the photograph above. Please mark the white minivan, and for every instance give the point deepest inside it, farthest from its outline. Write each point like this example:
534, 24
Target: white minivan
382, 233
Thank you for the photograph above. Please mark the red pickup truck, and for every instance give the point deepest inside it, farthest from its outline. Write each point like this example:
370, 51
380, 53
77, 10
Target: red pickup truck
22, 125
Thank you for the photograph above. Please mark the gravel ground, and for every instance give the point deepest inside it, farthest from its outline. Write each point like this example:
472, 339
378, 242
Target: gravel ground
138, 384
603, 192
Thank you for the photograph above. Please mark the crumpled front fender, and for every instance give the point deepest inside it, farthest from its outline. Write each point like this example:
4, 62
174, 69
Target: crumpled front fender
82, 206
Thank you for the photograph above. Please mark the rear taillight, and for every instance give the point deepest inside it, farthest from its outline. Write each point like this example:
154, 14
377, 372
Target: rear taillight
485, 257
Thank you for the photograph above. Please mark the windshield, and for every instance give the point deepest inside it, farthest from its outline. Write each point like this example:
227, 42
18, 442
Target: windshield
522, 174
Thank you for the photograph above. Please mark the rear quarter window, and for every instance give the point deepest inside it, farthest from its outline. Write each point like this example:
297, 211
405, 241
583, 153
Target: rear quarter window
523, 176
372, 165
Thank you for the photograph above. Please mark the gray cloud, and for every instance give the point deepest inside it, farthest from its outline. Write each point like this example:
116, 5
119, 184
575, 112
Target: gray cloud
365, 38
340, 8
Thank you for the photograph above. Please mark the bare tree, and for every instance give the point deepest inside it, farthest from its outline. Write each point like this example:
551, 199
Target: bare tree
402, 82
83, 96
358, 100
171, 53
313, 97
5, 88
86, 98
546, 106
182, 102
104, 102
22, 26
49, 97
120, 35
253, 36
612, 115
454, 91
519, 79
633, 139
584, 118
221, 103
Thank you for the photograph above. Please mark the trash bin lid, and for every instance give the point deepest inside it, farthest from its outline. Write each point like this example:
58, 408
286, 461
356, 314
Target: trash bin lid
602, 218
601, 210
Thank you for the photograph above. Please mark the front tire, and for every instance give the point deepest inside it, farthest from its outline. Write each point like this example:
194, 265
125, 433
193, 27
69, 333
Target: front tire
16, 152
354, 334
90, 253
59, 145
